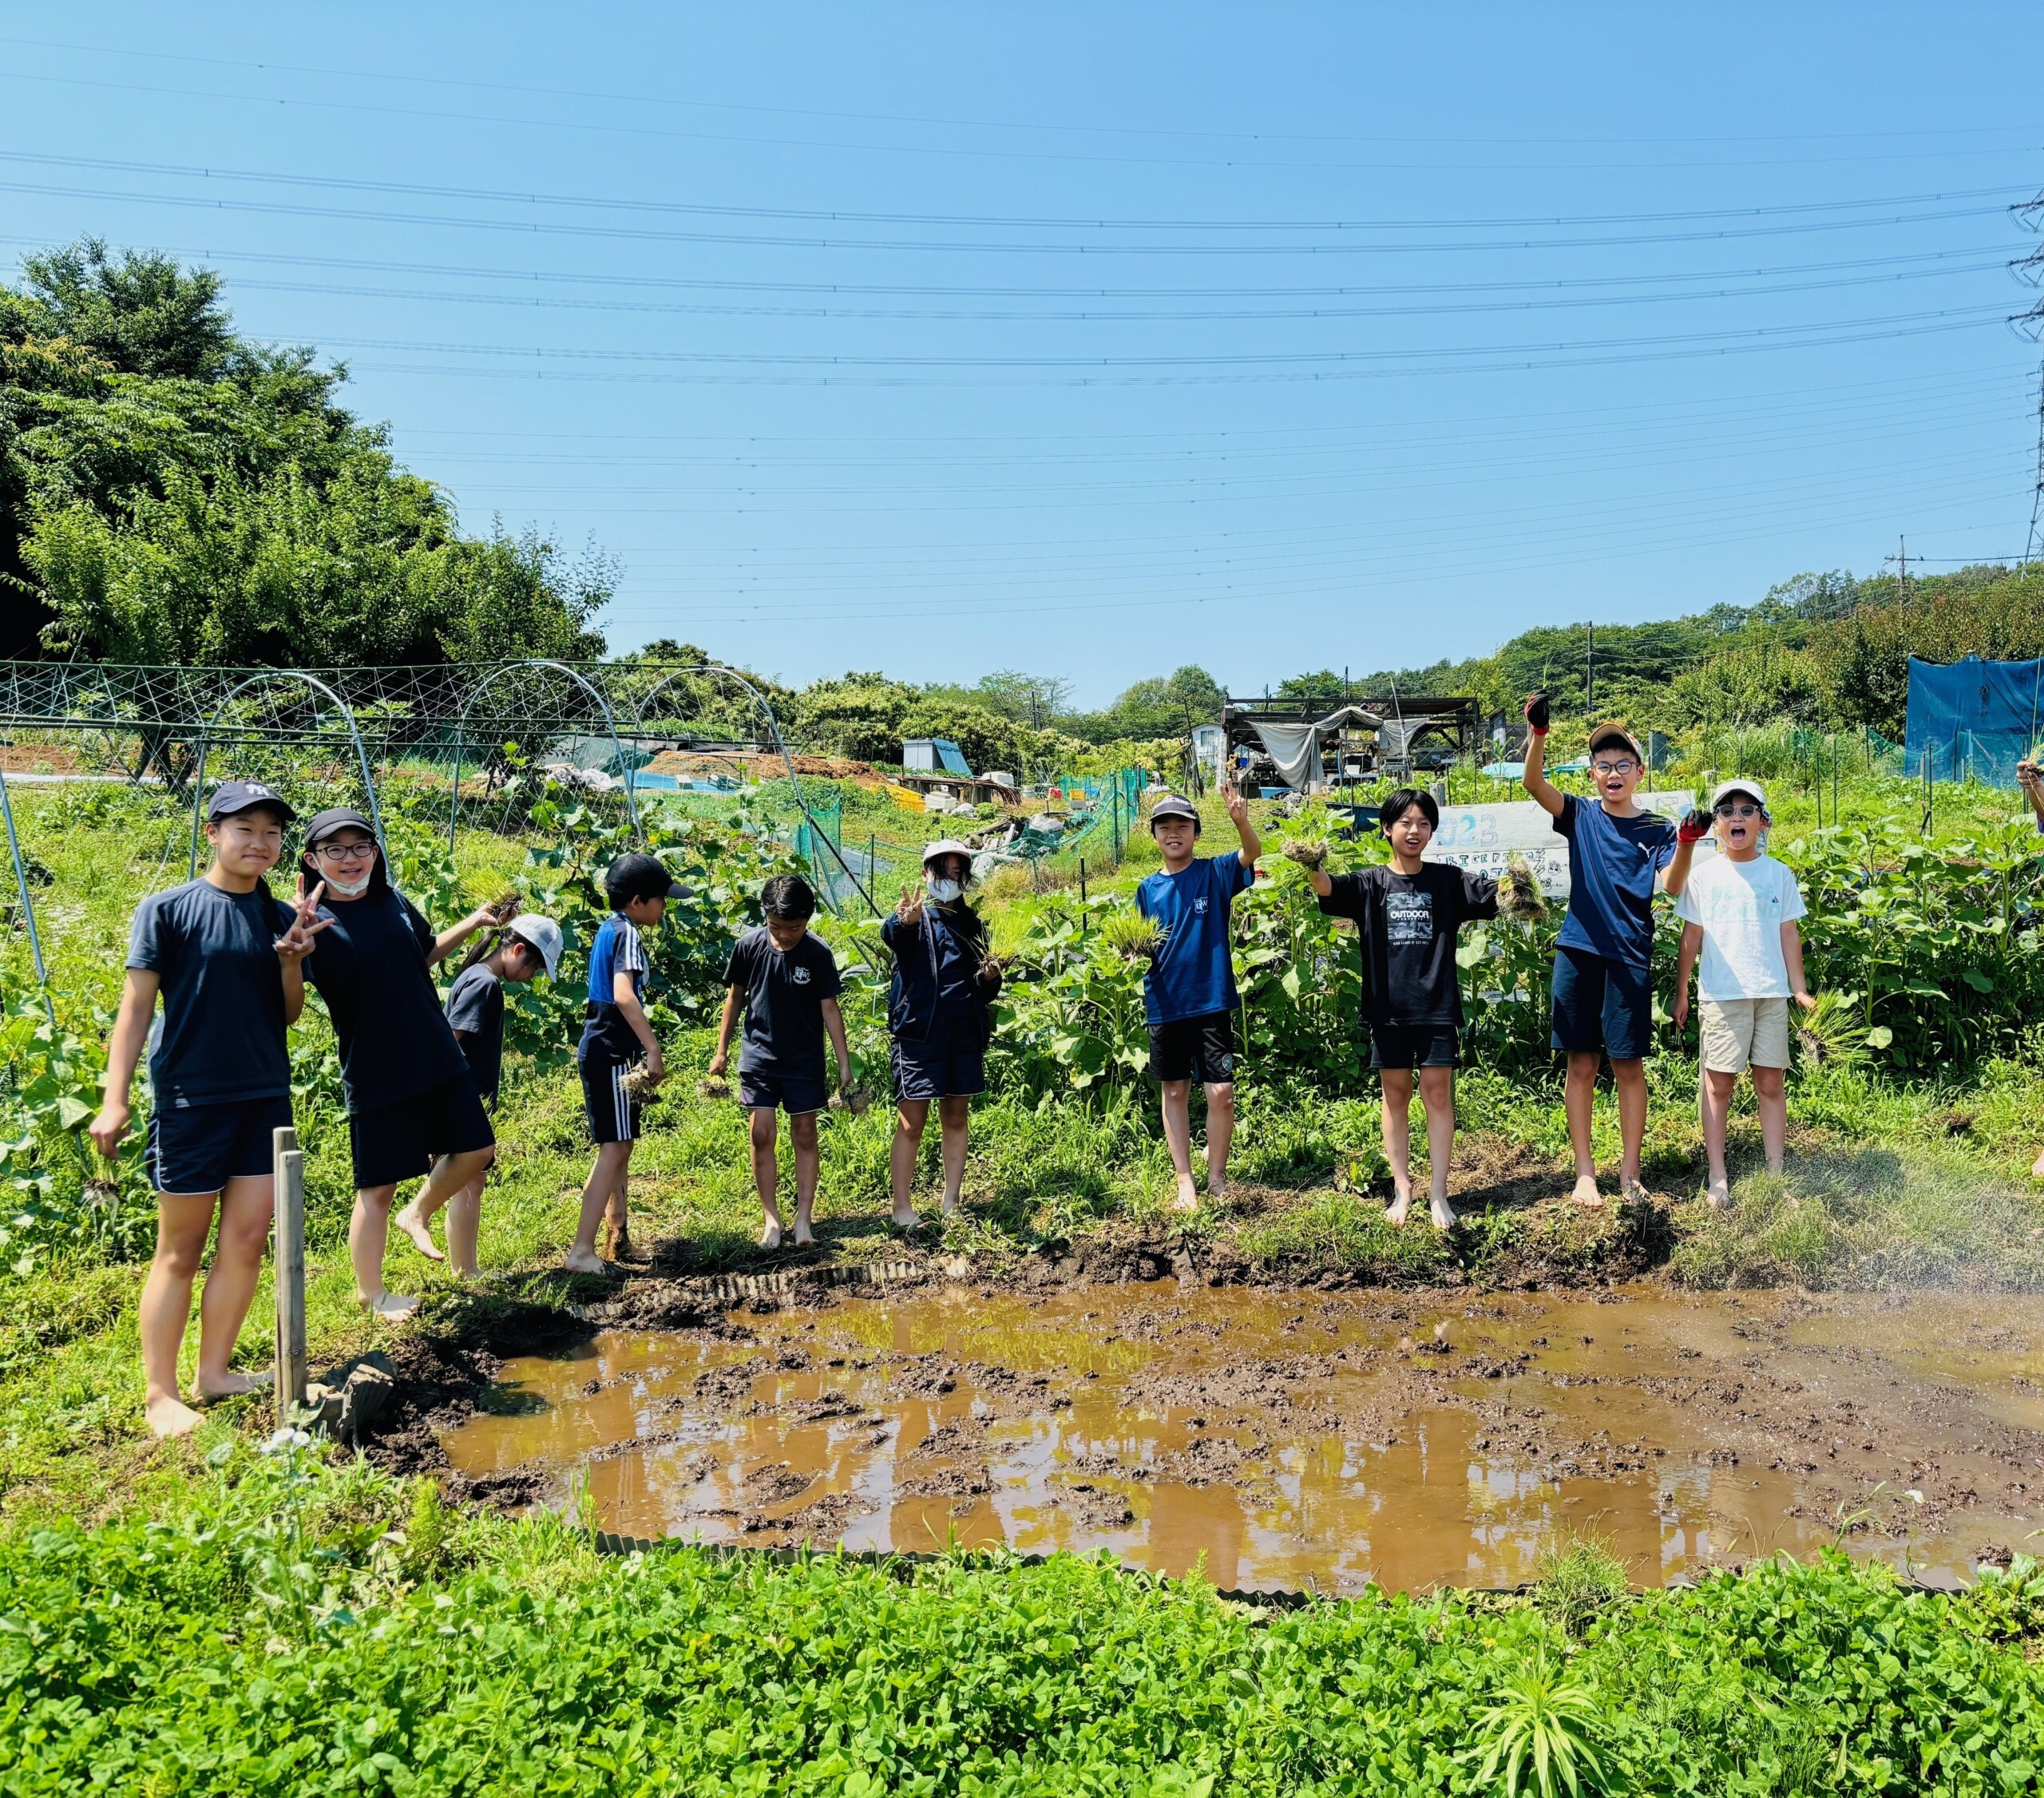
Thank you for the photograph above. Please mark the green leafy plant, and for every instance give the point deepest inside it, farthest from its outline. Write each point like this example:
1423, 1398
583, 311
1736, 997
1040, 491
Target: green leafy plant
1579, 1581
1537, 1736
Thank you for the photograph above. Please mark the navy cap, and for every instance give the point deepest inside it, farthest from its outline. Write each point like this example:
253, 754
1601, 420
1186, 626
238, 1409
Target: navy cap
335, 818
640, 876
1171, 806
232, 796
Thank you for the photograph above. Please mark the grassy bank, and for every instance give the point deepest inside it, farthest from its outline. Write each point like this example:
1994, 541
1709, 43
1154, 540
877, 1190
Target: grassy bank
293, 1628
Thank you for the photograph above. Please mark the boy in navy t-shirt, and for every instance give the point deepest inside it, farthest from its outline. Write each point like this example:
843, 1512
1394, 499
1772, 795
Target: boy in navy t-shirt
1603, 982
1189, 994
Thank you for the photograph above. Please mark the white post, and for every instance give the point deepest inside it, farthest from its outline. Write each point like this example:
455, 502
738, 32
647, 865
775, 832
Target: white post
290, 1272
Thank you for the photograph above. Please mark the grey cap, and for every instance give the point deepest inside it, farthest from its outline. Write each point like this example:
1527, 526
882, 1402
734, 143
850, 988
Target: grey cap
1172, 805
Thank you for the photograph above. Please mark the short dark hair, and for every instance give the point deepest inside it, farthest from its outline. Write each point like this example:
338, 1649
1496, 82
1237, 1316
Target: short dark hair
1402, 802
788, 898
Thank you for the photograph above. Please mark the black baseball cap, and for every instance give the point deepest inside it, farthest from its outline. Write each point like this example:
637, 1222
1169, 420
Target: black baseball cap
232, 796
324, 824
640, 876
1171, 806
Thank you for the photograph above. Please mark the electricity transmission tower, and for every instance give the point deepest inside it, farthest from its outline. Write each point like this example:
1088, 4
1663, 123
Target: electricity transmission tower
2031, 269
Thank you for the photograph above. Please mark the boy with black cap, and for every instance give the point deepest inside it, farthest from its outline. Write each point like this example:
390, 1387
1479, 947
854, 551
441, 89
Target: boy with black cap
1407, 915
1740, 910
617, 1040
1189, 993
228, 961
1603, 980
785, 979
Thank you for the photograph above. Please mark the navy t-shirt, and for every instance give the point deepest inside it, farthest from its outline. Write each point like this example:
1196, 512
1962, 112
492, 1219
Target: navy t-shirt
784, 993
370, 967
475, 1010
618, 950
221, 1039
1193, 975
1611, 865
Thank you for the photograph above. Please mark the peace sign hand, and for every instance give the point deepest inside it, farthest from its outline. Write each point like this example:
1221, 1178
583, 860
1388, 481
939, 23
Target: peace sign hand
296, 943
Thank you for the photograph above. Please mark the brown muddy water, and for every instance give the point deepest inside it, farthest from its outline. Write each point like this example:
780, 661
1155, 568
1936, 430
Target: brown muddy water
1303, 1440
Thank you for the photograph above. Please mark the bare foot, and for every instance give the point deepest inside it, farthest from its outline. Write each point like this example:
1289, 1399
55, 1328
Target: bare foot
169, 1415
1216, 1190
1633, 1192
770, 1237
583, 1261
1717, 1195
1188, 1199
905, 1219
621, 1249
232, 1385
415, 1227
1585, 1193
392, 1307
2037, 1168
1401, 1204
952, 1206
805, 1238
1443, 1216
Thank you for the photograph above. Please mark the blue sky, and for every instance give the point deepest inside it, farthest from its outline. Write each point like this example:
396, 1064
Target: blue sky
1095, 340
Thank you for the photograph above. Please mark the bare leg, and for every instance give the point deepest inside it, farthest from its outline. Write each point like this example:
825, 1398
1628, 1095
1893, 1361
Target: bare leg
1772, 1102
1397, 1082
1178, 1138
1437, 1090
184, 1221
1717, 1090
767, 1171
617, 1216
230, 1288
1220, 1133
955, 1116
910, 1116
1579, 1099
1630, 1077
369, 1239
450, 1174
2036, 1167
801, 1133
612, 1160
465, 1228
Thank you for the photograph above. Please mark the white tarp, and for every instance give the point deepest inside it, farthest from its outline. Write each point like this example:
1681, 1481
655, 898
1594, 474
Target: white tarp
1484, 837
1295, 748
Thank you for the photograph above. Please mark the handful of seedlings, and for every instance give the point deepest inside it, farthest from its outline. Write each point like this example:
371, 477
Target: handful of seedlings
1829, 1035
1519, 893
1307, 854
851, 1099
1131, 936
713, 1086
639, 1083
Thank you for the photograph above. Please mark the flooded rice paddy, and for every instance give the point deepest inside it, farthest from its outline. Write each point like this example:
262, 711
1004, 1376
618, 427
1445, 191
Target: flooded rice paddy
1306, 1440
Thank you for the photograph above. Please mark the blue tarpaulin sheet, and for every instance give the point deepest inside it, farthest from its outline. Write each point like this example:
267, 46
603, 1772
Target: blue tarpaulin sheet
1972, 720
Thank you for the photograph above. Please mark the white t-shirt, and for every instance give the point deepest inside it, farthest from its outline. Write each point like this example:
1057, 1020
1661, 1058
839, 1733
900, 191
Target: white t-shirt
1741, 906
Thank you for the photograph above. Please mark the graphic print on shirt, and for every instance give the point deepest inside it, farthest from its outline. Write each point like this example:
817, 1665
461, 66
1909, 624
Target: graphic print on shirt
1408, 917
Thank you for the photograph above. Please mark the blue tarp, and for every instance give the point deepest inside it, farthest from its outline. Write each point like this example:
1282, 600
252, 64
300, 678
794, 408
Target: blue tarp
1971, 720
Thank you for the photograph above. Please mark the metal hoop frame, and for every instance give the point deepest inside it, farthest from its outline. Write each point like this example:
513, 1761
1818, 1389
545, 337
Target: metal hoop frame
28, 903
205, 747
610, 724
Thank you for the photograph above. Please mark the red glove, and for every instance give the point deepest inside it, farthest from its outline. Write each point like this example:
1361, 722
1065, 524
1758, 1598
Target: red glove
1537, 714
1694, 827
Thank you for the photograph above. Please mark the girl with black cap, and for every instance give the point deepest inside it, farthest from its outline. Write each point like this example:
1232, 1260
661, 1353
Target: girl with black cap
227, 959
413, 1108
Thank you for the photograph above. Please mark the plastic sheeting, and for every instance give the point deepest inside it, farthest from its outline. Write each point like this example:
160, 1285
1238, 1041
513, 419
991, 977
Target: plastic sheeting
1972, 720
1295, 748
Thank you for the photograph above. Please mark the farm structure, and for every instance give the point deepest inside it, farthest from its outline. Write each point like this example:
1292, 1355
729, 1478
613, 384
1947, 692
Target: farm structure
1321, 740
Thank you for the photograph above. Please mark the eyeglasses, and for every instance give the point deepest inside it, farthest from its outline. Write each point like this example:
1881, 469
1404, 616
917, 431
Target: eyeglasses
1624, 766
345, 852
1738, 811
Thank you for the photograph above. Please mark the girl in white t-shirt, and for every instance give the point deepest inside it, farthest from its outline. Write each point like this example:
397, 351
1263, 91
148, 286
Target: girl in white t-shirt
1740, 910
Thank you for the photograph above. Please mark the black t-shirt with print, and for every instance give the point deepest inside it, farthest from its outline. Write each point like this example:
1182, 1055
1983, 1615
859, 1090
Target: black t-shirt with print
371, 966
784, 993
1407, 924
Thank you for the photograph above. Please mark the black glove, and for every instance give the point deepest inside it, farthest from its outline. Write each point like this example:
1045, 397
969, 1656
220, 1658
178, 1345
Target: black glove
1537, 712
1695, 827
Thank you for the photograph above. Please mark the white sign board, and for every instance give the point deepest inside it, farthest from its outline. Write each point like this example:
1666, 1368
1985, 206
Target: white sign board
1482, 838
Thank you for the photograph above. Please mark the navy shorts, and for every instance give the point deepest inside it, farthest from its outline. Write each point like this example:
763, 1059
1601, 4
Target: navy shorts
1415, 1045
950, 1063
1602, 1004
613, 1113
791, 1093
1201, 1048
195, 1149
402, 1141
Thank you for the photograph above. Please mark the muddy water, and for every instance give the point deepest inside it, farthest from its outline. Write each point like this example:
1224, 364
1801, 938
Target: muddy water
1303, 1440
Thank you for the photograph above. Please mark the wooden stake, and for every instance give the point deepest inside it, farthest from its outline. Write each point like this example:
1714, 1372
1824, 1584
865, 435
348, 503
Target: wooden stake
290, 1272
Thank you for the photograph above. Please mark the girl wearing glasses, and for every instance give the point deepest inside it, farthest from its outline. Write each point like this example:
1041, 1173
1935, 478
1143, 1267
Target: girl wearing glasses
413, 1107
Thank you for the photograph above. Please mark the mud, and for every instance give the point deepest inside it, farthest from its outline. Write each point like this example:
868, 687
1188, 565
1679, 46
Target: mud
1295, 1439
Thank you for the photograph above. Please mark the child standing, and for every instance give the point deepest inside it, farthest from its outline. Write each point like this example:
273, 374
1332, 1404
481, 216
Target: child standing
228, 961
1406, 915
617, 1040
786, 982
1189, 994
1603, 980
475, 1013
1740, 908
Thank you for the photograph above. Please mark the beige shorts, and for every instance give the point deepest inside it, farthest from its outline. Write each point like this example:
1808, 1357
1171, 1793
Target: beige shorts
1739, 1033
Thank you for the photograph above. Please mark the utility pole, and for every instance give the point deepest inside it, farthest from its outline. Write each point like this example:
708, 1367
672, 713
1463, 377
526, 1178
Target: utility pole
1590, 669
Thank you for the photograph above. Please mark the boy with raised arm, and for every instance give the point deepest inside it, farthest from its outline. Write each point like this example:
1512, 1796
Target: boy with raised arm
1740, 910
1603, 979
1189, 993
1406, 915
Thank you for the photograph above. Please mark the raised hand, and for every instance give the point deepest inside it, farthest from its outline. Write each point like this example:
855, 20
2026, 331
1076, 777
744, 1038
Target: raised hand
296, 943
1695, 825
1538, 715
1237, 802
909, 908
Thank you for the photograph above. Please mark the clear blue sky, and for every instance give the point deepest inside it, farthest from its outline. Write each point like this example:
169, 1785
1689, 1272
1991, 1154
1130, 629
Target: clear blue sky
1092, 340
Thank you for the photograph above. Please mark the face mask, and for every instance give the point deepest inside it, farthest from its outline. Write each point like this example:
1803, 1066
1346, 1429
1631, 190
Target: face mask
944, 891
350, 890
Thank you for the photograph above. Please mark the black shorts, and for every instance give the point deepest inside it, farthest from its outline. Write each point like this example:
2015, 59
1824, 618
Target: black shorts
798, 1097
1602, 1004
612, 1112
950, 1063
1414, 1045
197, 1149
402, 1142
1201, 1048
